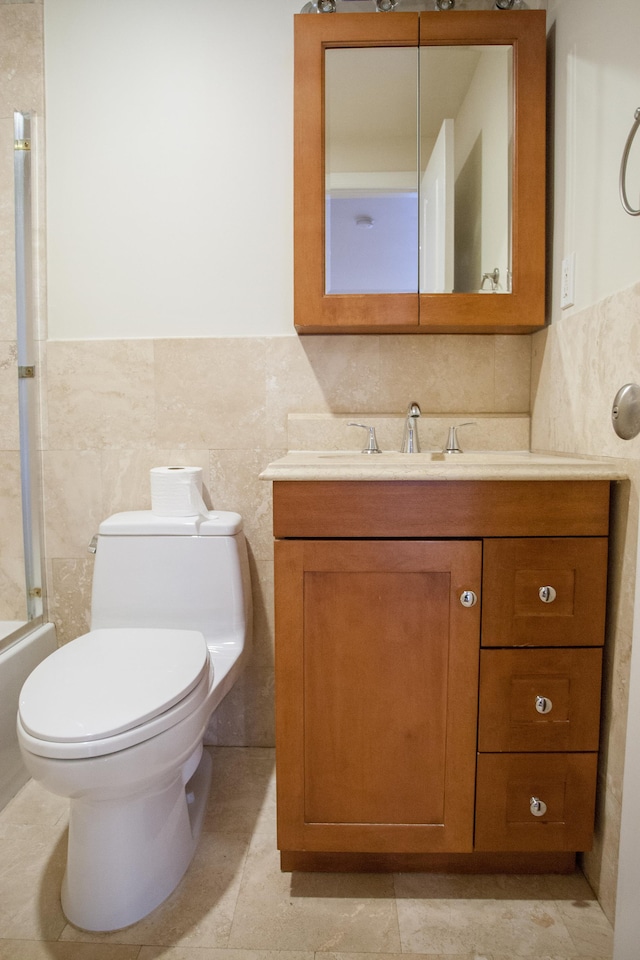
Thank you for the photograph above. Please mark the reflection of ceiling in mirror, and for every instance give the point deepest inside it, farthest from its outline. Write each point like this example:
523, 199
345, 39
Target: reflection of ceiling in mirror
370, 93
366, 89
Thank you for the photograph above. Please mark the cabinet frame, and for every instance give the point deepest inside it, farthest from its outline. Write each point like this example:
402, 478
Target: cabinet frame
522, 310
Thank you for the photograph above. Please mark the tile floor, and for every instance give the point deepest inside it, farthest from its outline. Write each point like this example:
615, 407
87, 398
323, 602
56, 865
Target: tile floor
235, 904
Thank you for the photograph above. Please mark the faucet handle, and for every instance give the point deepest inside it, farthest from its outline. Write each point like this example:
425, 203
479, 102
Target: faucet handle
452, 445
372, 443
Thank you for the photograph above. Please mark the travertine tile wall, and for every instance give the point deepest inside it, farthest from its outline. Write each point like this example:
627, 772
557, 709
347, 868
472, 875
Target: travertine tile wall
116, 408
20, 89
578, 365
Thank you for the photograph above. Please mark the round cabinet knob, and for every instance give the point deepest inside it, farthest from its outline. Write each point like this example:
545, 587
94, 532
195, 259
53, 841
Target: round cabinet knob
544, 705
537, 807
547, 594
468, 598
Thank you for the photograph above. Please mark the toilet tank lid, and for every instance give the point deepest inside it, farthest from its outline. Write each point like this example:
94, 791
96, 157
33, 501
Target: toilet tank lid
136, 523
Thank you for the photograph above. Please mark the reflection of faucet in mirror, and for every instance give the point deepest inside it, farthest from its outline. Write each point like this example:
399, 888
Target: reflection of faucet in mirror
410, 439
494, 279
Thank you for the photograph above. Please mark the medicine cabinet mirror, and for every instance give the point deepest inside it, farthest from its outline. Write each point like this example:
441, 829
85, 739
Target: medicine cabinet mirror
420, 172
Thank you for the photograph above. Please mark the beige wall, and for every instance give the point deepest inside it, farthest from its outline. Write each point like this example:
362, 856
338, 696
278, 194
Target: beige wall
577, 365
590, 350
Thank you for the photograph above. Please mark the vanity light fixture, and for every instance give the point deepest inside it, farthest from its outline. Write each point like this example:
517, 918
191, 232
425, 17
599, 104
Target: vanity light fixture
319, 6
386, 6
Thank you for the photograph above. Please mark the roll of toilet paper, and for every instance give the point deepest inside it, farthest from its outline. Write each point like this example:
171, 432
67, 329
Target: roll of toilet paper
177, 492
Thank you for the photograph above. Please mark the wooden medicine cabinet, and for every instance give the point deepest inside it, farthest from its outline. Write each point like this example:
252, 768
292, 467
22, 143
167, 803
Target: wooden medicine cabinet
420, 172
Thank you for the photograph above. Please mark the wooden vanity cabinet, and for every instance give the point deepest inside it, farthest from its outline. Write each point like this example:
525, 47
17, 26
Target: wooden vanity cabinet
415, 731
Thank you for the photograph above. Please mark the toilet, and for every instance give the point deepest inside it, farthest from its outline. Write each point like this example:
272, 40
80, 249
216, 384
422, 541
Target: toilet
115, 720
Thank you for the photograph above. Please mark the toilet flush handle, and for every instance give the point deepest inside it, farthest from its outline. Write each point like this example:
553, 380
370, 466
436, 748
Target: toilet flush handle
93, 546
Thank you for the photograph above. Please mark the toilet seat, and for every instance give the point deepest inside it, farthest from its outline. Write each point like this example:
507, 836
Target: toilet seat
112, 688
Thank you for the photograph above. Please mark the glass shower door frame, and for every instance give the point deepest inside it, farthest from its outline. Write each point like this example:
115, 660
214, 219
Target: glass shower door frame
26, 360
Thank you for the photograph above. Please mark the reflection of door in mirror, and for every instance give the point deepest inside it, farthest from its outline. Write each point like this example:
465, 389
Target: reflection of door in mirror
437, 215
371, 170
472, 87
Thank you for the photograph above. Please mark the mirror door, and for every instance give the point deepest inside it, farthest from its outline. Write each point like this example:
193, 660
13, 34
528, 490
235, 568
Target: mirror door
371, 169
418, 170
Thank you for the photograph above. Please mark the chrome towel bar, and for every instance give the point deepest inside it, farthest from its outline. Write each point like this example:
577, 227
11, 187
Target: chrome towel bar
623, 166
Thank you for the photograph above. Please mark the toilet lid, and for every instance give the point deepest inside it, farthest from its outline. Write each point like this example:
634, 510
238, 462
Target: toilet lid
109, 681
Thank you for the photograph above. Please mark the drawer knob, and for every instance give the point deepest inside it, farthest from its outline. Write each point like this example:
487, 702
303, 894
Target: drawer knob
547, 594
468, 598
538, 807
544, 705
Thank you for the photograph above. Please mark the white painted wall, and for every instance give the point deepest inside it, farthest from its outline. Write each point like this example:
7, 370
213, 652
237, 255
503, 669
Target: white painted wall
169, 167
596, 92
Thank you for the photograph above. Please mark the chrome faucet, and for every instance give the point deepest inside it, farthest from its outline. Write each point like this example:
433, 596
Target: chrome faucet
410, 439
452, 440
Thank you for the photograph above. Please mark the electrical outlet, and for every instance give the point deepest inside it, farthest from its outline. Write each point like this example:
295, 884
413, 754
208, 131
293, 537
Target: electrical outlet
567, 282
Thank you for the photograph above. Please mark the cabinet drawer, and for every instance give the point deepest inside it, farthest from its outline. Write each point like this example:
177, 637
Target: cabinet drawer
539, 700
544, 592
506, 785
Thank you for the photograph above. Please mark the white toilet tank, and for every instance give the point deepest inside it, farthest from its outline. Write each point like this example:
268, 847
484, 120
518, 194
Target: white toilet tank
188, 573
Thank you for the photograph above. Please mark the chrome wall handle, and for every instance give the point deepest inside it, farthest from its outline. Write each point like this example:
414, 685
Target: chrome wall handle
544, 705
547, 594
537, 807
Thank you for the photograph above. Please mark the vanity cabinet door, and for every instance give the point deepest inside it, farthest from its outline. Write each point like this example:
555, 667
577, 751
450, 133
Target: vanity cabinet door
544, 592
376, 674
534, 700
535, 801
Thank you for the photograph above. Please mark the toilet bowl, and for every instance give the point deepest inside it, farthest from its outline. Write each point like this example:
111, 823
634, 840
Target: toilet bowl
115, 720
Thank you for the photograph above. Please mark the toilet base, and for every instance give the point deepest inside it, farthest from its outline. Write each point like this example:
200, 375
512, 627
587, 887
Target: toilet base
126, 857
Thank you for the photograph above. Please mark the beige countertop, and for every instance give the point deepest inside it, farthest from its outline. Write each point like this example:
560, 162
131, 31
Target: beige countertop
433, 465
